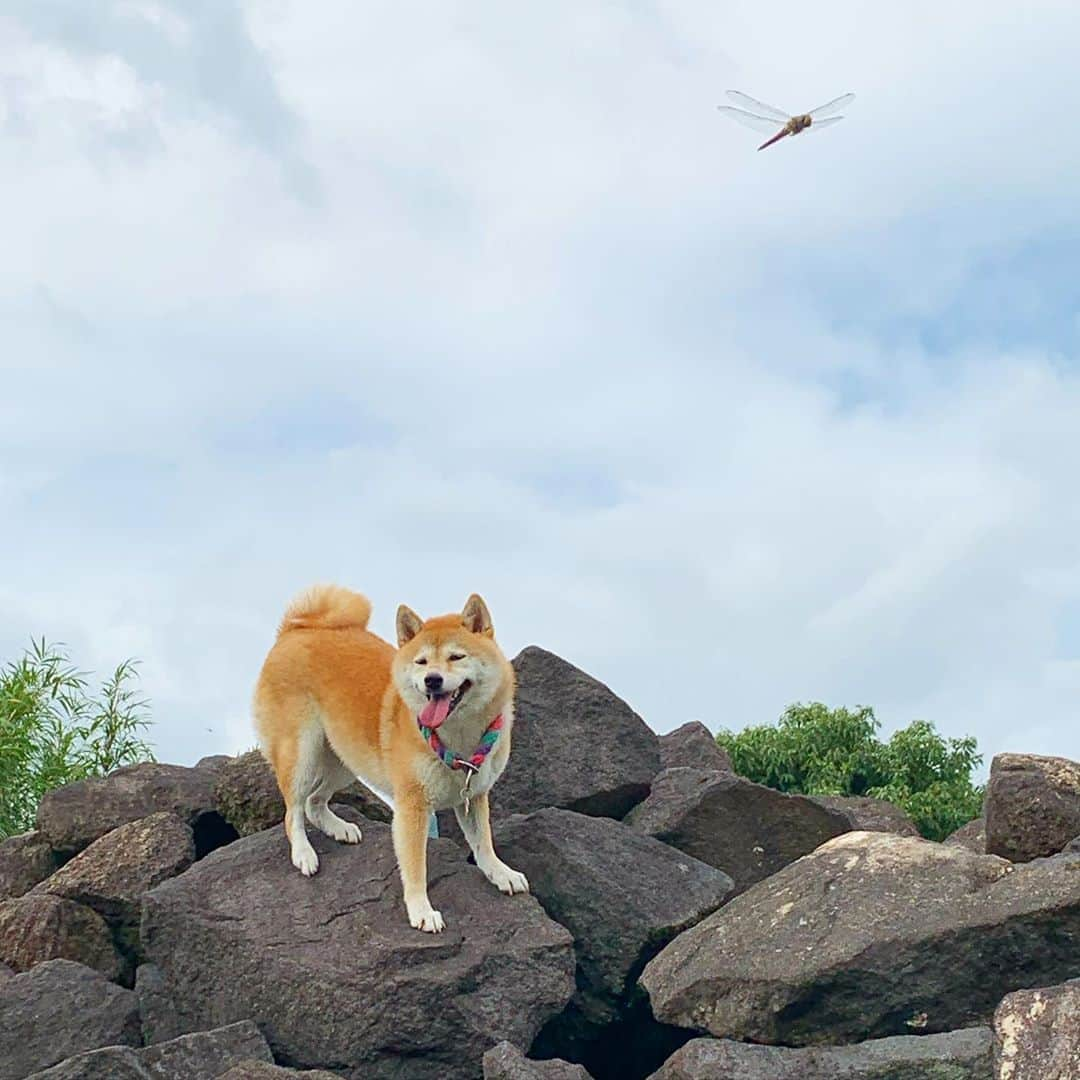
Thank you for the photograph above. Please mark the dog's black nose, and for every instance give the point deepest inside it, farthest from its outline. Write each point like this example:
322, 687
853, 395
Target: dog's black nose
433, 682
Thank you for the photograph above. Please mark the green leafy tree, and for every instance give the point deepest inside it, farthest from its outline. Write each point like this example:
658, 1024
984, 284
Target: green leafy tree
54, 729
815, 750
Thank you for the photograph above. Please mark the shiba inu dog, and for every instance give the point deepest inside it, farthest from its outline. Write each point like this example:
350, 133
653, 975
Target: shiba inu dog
427, 725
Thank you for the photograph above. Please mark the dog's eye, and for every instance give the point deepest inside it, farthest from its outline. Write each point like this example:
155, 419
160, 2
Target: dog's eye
421, 660
456, 656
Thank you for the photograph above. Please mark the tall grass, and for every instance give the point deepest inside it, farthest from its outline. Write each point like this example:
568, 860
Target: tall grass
54, 728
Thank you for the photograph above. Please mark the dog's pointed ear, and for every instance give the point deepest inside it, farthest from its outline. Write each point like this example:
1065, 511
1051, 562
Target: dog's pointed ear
409, 624
476, 618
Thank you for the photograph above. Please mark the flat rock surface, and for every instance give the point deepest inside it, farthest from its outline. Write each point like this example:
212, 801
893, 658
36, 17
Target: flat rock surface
871, 935
58, 1010
957, 1055
1032, 805
1037, 1034
745, 829
242, 924
36, 927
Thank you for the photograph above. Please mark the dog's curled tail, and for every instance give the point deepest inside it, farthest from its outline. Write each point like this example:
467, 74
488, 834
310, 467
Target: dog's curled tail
326, 607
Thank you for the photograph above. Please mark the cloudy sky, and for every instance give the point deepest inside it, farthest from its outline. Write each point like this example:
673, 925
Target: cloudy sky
434, 298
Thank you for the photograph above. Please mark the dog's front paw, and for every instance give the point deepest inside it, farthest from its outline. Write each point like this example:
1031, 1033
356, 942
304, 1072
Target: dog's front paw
427, 919
507, 880
305, 860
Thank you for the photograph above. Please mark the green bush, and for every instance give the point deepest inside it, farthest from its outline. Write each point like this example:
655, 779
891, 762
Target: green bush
814, 750
54, 729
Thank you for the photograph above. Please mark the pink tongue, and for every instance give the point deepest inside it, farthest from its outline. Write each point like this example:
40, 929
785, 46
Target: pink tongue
435, 712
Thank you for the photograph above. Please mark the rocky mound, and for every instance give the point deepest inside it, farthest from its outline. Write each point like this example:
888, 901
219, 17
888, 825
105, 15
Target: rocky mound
153, 926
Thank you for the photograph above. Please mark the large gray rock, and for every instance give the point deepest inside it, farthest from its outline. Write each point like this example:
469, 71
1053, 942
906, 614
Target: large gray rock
259, 1070
57, 1010
869, 936
745, 829
74, 816
507, 1062
202, 1054
1037, 1034
113, 873
622, 896
958, 1055
869, 815
971, 836
576, 744
248, 798
692, 746
25, 860
35, 928
1032, 805
362, 989
157, 1010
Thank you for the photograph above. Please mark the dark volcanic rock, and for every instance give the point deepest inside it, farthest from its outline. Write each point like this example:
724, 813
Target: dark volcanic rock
1032, 805
6, 972
623, 896
113, 873
58, 1010
258, 1070
214, 762
202, 1054
25, 860
157, 1010
74, 816
692, 747
34, 928
507, 1062
957, 1055
248, 798
241, 925
869, 936
971, 836
1037, 1034
746, 830
869, 815
576, 744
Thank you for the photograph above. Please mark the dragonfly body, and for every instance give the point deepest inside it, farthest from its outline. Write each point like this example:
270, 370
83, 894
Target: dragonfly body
762, 117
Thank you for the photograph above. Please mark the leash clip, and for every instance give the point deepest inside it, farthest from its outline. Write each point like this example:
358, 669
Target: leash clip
470, 771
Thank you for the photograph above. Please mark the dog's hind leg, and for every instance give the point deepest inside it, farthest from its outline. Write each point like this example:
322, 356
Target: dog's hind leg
333, 776
296, 760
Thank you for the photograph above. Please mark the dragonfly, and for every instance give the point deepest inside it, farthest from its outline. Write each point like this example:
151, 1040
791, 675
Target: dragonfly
761, 117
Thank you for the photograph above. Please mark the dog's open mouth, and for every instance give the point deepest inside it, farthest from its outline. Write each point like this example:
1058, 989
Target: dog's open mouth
440, 706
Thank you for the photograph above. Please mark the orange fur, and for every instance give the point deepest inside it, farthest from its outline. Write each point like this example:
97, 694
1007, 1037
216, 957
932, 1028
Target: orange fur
334, 701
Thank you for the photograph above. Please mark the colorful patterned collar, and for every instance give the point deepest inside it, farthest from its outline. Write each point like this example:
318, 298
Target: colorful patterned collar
478, 756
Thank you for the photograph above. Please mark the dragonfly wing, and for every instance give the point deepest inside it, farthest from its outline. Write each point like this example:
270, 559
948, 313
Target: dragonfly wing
831, 107
758, 123
758, 108
823, 123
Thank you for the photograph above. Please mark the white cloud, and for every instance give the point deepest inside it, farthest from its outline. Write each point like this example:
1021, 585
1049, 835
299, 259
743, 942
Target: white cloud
453, 299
